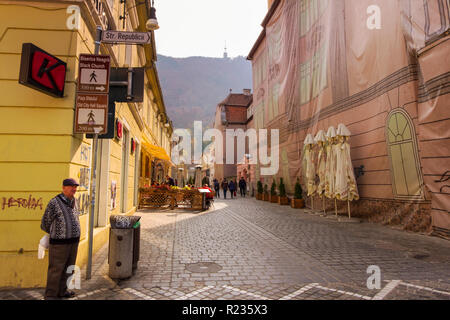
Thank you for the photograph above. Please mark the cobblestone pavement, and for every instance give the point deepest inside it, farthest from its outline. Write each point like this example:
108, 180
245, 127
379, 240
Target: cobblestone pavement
254, 250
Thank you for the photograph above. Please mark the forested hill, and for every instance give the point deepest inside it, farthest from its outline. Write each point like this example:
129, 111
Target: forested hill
192, 87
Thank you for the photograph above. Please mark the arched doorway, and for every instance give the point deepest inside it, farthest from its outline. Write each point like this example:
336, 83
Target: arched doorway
406, 174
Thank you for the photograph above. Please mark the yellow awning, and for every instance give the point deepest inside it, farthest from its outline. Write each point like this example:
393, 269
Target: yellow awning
156, 151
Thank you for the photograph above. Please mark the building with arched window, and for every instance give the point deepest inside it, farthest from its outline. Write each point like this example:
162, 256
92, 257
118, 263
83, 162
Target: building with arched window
386, 76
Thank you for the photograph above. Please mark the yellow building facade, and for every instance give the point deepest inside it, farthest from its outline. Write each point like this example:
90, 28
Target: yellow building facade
37, 146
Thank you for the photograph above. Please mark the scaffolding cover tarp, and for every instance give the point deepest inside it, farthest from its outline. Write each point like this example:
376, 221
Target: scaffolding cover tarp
379, 67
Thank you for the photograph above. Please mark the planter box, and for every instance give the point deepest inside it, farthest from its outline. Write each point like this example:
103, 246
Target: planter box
259, 196
273, 199
297, 203
283, 201
266, 197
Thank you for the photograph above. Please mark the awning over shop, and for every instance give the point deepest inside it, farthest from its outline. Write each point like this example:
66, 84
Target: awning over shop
156, 151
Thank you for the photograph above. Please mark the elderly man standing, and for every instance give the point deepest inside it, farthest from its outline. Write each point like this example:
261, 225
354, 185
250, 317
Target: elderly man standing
61, 222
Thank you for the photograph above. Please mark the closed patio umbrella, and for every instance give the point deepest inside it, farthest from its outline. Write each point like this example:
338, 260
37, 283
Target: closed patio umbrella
345, 185
180, 179
321, 140
310, 171
330, 165
198, 176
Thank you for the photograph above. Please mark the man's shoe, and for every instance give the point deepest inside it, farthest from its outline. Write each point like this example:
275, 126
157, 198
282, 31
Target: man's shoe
68, 294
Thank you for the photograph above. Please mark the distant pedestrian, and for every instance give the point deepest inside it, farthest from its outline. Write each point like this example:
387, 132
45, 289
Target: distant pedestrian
217, 188
170, 181
242, 186
232, 187
224, 188
61, 222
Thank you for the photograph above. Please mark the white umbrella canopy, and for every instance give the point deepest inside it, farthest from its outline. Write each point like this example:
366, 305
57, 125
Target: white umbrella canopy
330, 165
321, 140
310, 171
345, 185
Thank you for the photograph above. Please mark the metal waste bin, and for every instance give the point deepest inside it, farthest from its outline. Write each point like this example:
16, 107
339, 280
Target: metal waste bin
124, 239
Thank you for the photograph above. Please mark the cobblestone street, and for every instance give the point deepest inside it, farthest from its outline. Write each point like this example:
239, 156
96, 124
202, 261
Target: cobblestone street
247, 249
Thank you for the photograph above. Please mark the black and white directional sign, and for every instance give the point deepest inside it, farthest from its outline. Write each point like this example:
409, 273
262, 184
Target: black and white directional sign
126, 37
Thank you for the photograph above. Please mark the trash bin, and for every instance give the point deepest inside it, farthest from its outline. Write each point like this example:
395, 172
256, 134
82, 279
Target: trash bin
124, 238
136, 244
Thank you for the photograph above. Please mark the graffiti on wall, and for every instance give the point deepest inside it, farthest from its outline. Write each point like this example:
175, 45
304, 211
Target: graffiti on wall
85, 153
113, 194
83, 203
31, 203
84, 175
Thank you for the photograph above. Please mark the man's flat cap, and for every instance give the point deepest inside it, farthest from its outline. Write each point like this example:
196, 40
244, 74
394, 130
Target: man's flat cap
70, 182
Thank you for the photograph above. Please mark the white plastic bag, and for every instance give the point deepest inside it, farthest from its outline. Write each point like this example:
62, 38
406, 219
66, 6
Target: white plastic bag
43, 245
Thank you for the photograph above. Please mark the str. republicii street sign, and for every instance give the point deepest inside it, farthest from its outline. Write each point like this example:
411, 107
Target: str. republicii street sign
126, 37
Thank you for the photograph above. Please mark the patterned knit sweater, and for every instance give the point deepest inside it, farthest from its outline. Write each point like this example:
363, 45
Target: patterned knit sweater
60, 220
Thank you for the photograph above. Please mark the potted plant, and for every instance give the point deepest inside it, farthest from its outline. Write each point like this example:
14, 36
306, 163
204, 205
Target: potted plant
298, 202
259, 194
273, 198
266, 193
283, 199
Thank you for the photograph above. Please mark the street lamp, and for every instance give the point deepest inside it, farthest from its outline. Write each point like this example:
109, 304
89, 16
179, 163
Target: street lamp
152, 22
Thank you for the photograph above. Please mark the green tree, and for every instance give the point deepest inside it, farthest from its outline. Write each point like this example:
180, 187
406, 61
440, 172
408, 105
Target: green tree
273, 188
282, 188
298, 190
260, 187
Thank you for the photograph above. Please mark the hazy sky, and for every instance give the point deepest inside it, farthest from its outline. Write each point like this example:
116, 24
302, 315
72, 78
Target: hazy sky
201, 27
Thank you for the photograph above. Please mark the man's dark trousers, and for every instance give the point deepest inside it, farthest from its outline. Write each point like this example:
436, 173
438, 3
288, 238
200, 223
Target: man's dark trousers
60, 257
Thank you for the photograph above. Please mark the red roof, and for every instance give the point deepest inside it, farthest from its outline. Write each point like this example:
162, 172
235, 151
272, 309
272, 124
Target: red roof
238, 99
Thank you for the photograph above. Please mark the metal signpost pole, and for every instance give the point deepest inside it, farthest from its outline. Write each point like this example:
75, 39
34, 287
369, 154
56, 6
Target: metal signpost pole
98, 39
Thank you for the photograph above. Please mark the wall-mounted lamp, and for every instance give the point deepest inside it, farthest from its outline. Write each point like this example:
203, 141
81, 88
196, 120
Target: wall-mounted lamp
359, 171
152, 22
123, 17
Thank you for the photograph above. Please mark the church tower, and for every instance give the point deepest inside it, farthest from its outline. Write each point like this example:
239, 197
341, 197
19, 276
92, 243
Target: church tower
225, 53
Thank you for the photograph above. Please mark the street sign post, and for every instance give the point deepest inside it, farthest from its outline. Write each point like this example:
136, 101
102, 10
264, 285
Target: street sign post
91, 107
126, 37
91, 113
93, 90
93, 76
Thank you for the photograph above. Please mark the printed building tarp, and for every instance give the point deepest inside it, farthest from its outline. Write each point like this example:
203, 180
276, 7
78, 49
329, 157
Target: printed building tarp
319, 63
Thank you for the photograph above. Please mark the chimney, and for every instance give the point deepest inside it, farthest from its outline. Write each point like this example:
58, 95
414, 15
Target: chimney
247, 92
